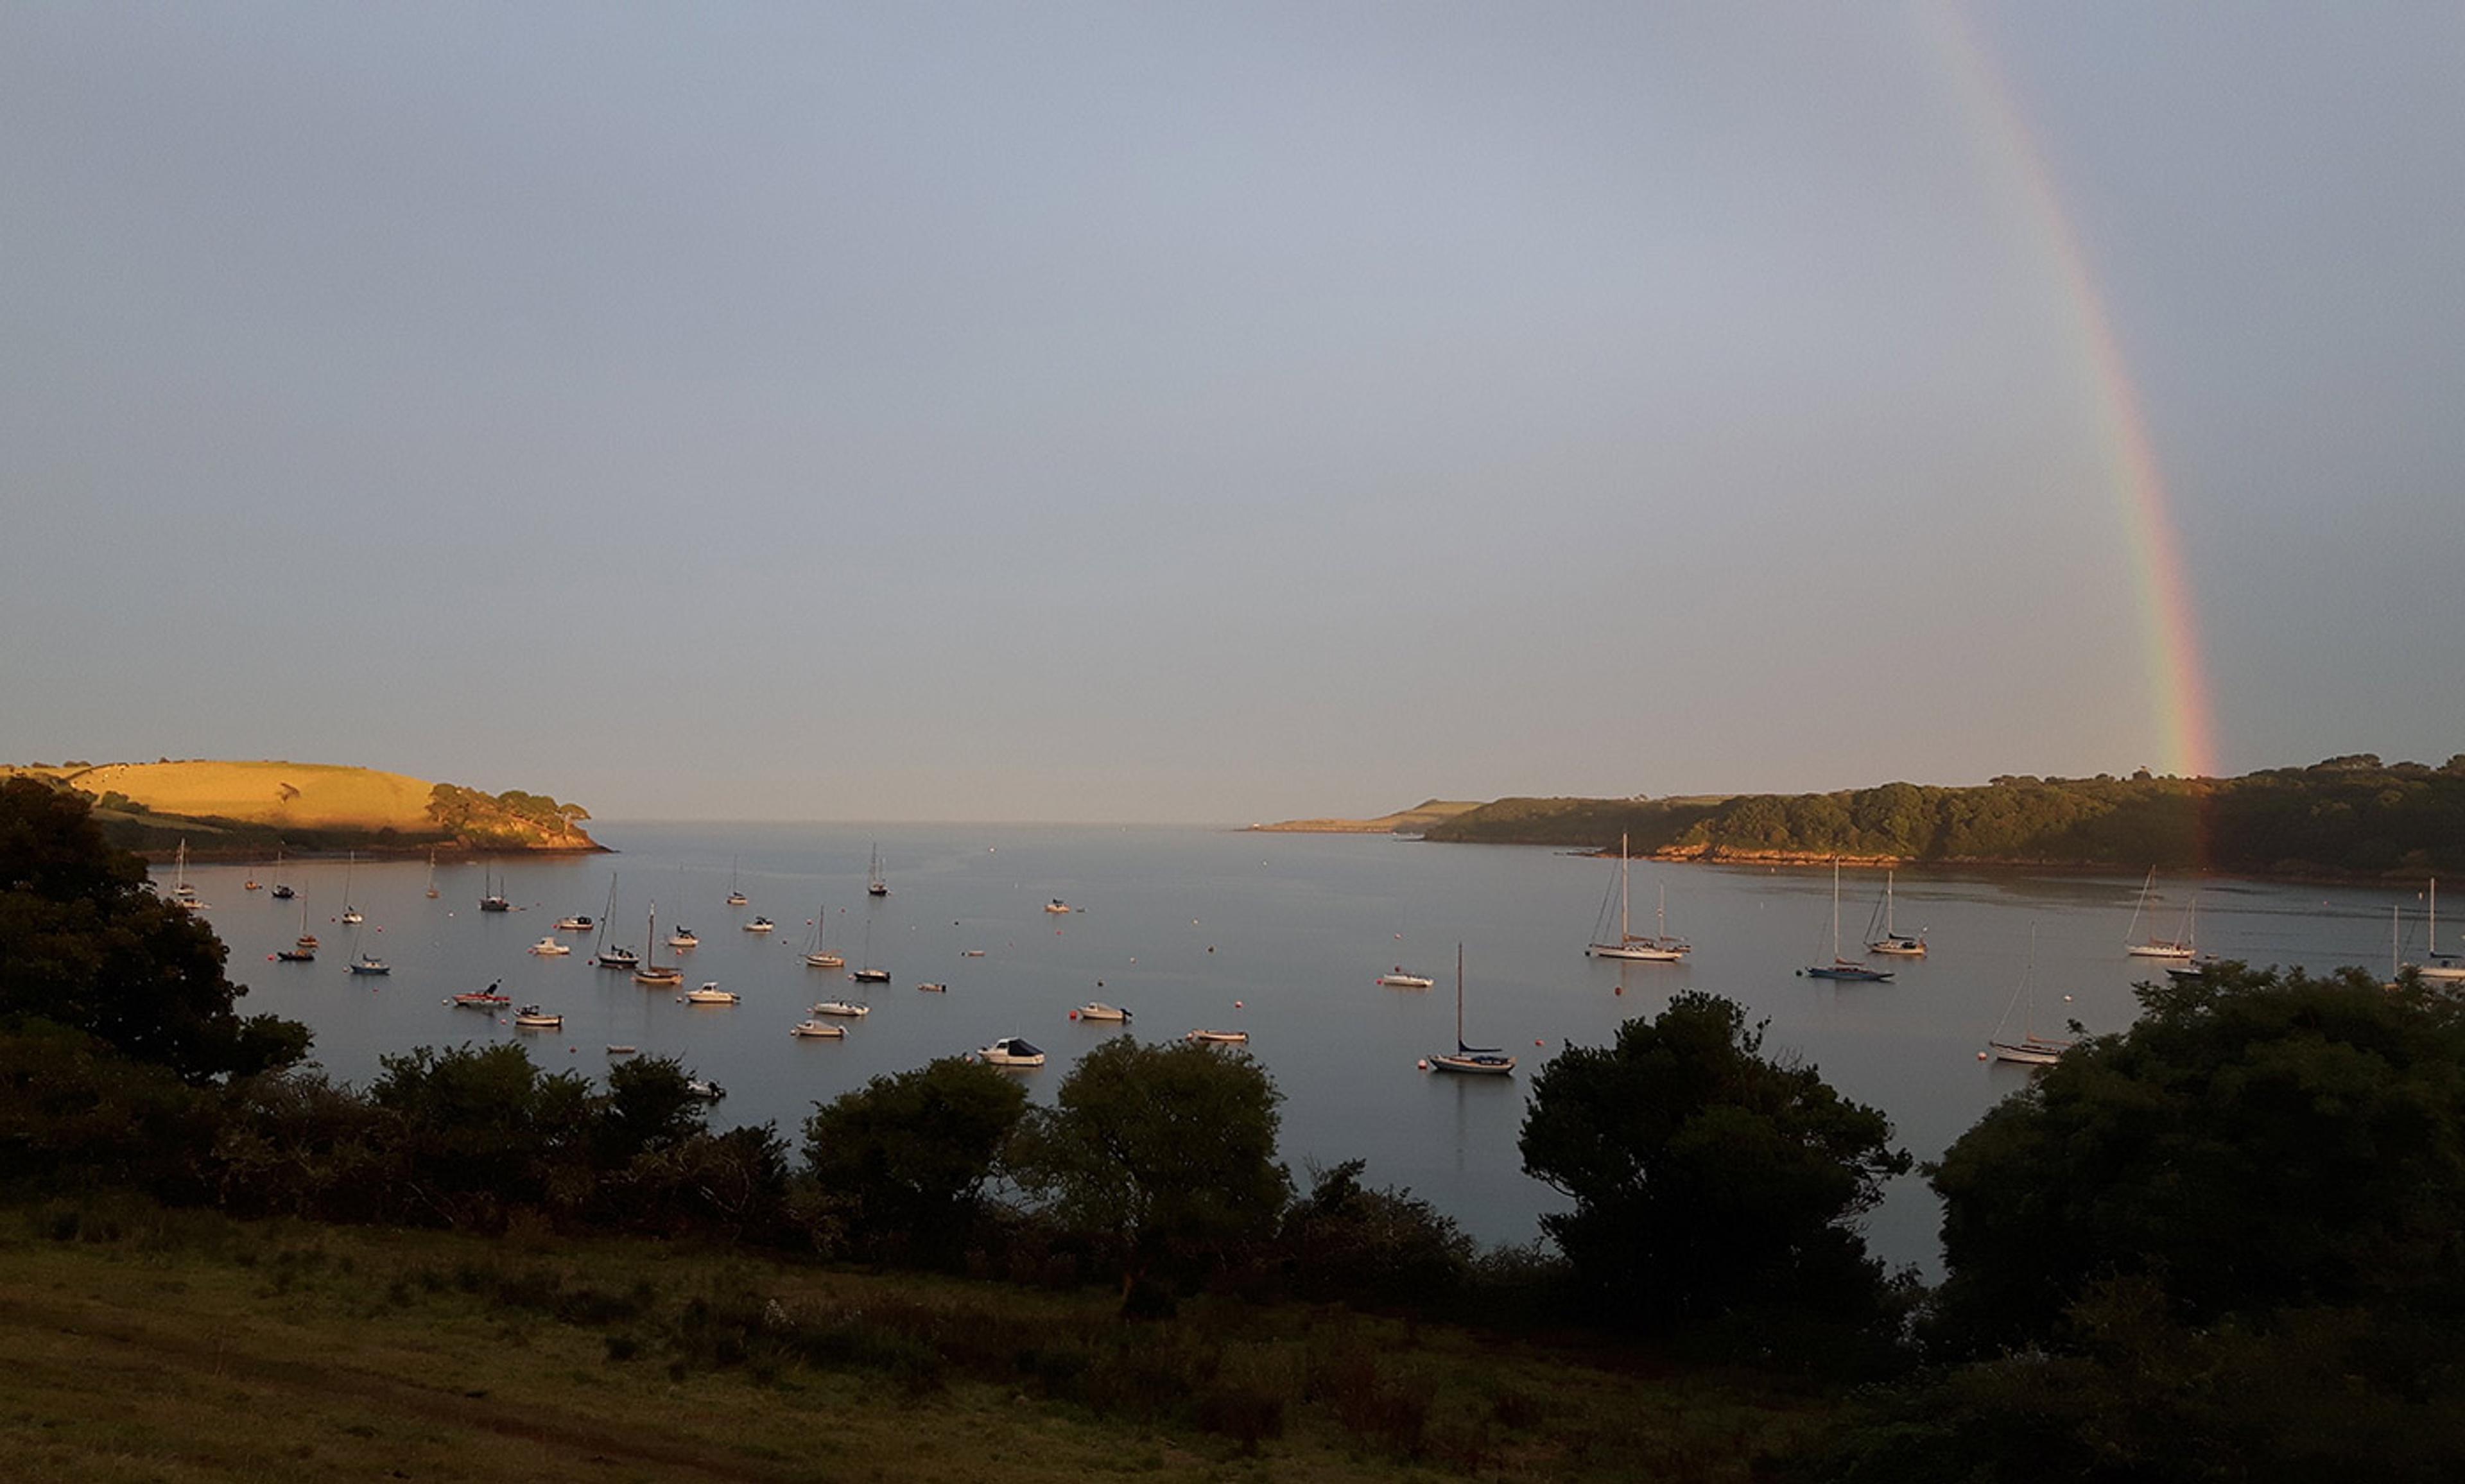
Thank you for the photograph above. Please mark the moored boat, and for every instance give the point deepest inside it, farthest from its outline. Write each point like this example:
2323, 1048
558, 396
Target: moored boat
1401, 978
845, 1009
1097, 1010
1012, 1050
711, 994
530, 1017
1477, 1060
817, 1030
549, 948
1219, 1038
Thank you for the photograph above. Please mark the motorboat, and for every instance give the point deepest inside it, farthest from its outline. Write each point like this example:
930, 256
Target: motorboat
549, 948
818, 1031
1011, 1051
1097, 1010
530, 1017
930, 987
704, 1090
845, 1009
616, 1050
1401, 978
1056, 905
685, 938
574, 923
870, 976
482, 999
760, 924
1219, 1038
711, 994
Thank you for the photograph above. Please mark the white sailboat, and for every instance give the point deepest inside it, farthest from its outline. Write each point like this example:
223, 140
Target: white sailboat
433, 893
609, 955
734, 898
2435, 965
874, 884
1657, 948
183, 894
1893, 941
2030, 1050
815, 955
2156, 947
350, 914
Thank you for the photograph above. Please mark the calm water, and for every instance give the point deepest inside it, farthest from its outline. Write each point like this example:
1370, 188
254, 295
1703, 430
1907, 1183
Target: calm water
1282, 935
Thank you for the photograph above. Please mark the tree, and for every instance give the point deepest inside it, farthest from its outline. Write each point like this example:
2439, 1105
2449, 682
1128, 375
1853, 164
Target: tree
2255, 1141
84, 944
1705, 1175
1386, 1249
1168, 1152
902, 1160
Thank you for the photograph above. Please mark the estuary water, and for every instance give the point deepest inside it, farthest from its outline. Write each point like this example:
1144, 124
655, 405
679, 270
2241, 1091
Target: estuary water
1282, 935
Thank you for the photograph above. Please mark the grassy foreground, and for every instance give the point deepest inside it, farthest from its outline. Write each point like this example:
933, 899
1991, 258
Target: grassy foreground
173, 1345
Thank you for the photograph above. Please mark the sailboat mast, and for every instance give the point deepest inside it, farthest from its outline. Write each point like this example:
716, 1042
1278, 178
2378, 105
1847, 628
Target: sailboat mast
1835, 909
1459, 1041
1623, 934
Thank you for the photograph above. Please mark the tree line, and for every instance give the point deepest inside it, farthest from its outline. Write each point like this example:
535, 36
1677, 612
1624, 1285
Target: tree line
2225, 1243
2345, 816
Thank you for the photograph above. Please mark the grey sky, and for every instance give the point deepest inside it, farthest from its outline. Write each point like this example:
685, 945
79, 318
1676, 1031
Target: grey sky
1212, 412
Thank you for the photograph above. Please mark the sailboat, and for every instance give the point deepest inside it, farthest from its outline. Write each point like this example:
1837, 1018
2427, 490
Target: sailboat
350, 914
874, 884
1840, 967
304, 950
2155, 947
1482, 1060
869, 974
734, 898
183, 894
815, 955
2032, 1050
493, 901
432, 875
1893, 941
281, 892
609, 955
2443, 967
1658, 948
657, 975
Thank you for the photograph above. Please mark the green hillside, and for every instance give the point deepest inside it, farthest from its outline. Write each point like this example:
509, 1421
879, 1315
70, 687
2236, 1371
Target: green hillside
2349, 816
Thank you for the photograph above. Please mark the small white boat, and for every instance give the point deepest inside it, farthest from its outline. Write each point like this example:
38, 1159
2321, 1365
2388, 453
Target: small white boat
1400, 978
930, 987
1219, 1038
760, 924
350, 916
706, 1091
846, 1009
711, 994
817, 1030
870, 976
616, 1050
972, 953
549, 948
530, 1017
685, 938
824, 961
1097, 1010
1011, 1051
576, 924
1056, 905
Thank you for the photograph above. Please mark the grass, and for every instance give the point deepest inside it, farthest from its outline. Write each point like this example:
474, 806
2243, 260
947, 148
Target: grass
174, 1346
303, 795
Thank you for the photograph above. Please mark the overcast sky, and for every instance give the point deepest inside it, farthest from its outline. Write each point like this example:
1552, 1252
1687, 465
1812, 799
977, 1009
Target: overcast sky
1218, 412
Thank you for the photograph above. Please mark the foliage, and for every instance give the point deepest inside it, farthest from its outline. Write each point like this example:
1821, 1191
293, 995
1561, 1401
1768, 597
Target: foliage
902, 1161
512, 818
1705, 1175
1383, 1249
1167, 1151
76, 1114
84, 944
2350, 815
2255, 1141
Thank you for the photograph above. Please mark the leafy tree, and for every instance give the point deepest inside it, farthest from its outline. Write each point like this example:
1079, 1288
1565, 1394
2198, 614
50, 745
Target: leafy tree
472, 1132
84, 944
2257, 1139
1167, 1151
1380, 1248
902, 1160
650, 1106
1705, 1175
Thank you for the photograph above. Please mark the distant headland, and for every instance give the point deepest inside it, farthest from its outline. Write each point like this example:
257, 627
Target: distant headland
2344, 818
241, 810
1423, 817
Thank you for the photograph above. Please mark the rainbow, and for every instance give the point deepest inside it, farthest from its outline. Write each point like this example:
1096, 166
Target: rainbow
2172, 669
